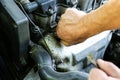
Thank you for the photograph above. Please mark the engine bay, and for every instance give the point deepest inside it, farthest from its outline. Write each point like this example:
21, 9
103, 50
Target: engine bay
31, 50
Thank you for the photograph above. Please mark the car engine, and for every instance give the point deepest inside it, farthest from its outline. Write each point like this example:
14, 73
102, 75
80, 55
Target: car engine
31, 50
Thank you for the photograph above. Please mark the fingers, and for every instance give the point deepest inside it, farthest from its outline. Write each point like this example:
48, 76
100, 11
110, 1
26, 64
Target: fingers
68, 27
109, 68
97, 74
70, 10
72, 15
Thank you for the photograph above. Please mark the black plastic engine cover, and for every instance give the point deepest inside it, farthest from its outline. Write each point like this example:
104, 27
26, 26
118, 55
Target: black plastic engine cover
14, 32
14, 27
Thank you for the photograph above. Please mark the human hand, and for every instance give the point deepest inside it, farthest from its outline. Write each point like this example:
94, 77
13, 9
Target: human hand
68, 27
107, 71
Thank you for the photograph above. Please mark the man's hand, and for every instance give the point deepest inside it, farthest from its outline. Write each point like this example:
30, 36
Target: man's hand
75, 26
107, 71
68, 27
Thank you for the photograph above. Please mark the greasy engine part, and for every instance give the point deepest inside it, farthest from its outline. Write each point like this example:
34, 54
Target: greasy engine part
46, 69
92, 60
75, 57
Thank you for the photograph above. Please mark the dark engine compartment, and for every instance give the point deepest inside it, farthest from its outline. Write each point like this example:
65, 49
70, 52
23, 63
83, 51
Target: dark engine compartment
28, 41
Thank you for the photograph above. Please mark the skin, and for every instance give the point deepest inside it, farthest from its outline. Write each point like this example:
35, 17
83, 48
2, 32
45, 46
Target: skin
107, 71
76, 26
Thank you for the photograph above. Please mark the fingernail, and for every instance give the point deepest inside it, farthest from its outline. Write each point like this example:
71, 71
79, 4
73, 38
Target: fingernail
100, 61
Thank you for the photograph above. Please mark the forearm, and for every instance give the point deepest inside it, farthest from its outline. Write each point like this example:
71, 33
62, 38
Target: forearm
106, 17
74, 27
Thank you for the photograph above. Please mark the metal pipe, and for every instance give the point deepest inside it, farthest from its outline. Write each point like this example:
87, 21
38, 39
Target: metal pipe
46, 70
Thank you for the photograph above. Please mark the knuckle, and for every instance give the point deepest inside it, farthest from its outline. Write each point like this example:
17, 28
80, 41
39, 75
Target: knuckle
68, 9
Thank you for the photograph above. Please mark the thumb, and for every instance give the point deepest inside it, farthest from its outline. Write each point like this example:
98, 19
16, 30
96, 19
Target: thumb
109, 68
97, 74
